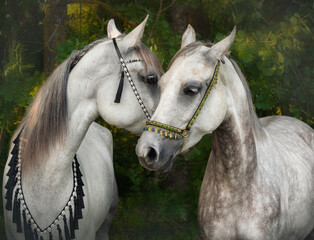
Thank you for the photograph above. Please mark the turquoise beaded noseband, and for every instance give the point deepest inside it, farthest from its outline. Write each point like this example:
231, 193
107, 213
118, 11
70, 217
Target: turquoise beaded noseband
178, 133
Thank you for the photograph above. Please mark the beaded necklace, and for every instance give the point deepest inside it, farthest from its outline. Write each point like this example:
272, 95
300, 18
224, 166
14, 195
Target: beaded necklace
69, 215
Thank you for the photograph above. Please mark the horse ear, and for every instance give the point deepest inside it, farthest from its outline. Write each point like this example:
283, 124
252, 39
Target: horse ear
221, 48
112, 31
188, 36
136, 35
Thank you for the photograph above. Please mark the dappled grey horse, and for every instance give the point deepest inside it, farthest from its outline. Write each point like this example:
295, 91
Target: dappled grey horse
59, 180
259, 180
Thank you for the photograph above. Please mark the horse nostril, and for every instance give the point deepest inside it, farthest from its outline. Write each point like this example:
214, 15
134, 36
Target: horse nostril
151, 155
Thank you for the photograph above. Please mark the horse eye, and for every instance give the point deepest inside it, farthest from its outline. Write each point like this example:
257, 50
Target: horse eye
191, 91
152, 79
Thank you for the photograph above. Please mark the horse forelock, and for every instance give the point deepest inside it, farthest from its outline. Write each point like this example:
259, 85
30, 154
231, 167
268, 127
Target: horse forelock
149, 58
188, 50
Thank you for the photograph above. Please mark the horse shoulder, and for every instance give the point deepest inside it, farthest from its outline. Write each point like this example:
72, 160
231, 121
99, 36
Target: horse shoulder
96, 154
291, 140
220, 212
99, 139
286, 167
279, 191
96, 159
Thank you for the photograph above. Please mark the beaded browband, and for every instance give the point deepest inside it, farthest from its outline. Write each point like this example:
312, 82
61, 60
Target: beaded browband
125, 71
178, 133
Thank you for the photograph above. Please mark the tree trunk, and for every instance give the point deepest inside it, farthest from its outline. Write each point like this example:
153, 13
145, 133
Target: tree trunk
179, 18
182, 15
285, 109
54, 31
2, 137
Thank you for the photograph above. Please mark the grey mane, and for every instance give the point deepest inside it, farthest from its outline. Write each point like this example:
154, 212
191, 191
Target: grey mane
248, 93
44, 124
45, 121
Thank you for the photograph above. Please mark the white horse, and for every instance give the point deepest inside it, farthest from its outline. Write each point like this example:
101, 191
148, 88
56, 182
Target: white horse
259, 180
44, 191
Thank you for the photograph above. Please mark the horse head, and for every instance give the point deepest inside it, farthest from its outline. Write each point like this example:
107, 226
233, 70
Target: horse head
94, 82
193, 102
120, 74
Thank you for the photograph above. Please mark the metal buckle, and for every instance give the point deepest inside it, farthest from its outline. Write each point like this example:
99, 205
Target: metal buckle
185, 133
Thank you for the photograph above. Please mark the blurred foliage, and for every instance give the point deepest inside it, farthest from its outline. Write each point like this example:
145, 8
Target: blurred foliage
18, 86
273, 47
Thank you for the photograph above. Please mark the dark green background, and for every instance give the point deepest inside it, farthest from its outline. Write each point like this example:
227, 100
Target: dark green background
273, 47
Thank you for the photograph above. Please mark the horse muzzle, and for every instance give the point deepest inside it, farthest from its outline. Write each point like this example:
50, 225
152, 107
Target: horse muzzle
156, 153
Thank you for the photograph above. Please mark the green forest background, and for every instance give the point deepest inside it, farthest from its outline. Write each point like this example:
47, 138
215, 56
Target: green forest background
273, 46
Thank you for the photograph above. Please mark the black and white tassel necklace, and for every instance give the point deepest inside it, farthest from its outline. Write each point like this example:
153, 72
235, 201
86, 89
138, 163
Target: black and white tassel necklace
65, 223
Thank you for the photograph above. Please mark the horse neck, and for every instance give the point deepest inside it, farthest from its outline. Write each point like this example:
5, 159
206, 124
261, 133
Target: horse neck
57, 162
233, 142
49, 186
81, 112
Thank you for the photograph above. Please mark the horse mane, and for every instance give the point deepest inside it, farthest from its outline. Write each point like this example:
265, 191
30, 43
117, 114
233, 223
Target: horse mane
248, 92
44, 124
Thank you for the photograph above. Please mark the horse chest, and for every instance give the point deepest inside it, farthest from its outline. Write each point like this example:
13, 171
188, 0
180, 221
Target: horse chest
227, 214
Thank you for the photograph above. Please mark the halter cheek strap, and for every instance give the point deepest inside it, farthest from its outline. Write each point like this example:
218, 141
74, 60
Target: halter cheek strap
125, 71
178, 133
120, 88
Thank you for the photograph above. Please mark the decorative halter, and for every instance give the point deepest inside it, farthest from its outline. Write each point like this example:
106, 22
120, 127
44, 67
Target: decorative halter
125, 71
178, 133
